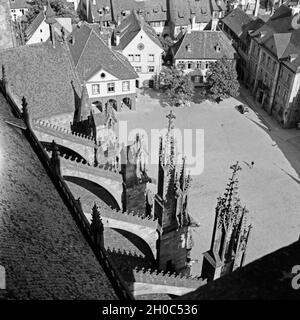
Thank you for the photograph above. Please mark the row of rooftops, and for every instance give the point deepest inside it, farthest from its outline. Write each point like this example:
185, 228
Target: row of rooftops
178, 12
276, 35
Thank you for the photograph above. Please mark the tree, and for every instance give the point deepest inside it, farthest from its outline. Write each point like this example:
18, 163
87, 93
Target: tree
178, 86
60, 7
222, 79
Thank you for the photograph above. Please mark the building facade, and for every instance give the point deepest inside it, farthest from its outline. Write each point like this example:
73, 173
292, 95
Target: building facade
108, 74
18, 8
197, 49
138, 42
166, 17
274, 67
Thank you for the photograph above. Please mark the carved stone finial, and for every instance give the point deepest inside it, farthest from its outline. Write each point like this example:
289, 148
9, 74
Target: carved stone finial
25, 112
171, 118
55, 158
4, 78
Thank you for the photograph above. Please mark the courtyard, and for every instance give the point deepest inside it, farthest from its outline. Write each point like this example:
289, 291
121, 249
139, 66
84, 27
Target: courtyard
270, 190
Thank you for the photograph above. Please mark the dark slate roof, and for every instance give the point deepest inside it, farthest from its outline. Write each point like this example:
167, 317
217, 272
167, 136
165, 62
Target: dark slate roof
90, 54
279, 38
43, 75
41, 247
155, 10
266, 278
131, 26
236, 20
19, 4
203, 46
182, 10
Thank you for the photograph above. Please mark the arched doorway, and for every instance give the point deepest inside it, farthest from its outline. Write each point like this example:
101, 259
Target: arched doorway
97, 106
128, 102
113, 103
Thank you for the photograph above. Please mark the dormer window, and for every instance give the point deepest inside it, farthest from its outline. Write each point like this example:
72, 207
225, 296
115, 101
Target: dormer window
217, 48
188, 47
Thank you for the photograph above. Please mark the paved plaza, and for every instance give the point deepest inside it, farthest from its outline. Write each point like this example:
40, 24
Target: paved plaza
270, 189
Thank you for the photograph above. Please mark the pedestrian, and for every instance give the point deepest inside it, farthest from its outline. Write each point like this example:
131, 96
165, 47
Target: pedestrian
252, 164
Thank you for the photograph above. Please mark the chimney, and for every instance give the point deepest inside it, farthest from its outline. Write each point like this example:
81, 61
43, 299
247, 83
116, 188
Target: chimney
256, 9
118, 35
94, 2
118, 20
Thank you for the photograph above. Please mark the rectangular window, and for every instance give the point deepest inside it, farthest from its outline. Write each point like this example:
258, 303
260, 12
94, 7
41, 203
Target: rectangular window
131, 57
206, 65
151, 68
125, 86
137, 58
190, 64
151, 58
95, 89
138, 69
263, 58
274, 66
198, 64
111, 87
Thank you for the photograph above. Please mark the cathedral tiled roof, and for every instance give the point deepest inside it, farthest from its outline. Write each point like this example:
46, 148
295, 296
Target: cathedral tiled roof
42, 249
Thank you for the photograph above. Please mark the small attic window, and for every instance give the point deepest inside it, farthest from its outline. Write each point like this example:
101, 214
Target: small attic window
102, 75
180, 14
155, 10
217, 48
203, 10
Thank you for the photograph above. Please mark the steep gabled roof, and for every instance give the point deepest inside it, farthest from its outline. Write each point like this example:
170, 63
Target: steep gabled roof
279, 37
181, 11
131, 26
202, 45
90, 54
236, 20
43, 75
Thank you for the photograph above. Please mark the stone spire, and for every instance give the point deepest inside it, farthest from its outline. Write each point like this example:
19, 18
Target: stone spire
171, 206
55, 161
97, 227
230, 233
84, 107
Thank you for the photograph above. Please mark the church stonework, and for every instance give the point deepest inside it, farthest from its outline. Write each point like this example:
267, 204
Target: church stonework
230, 233
170, 207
